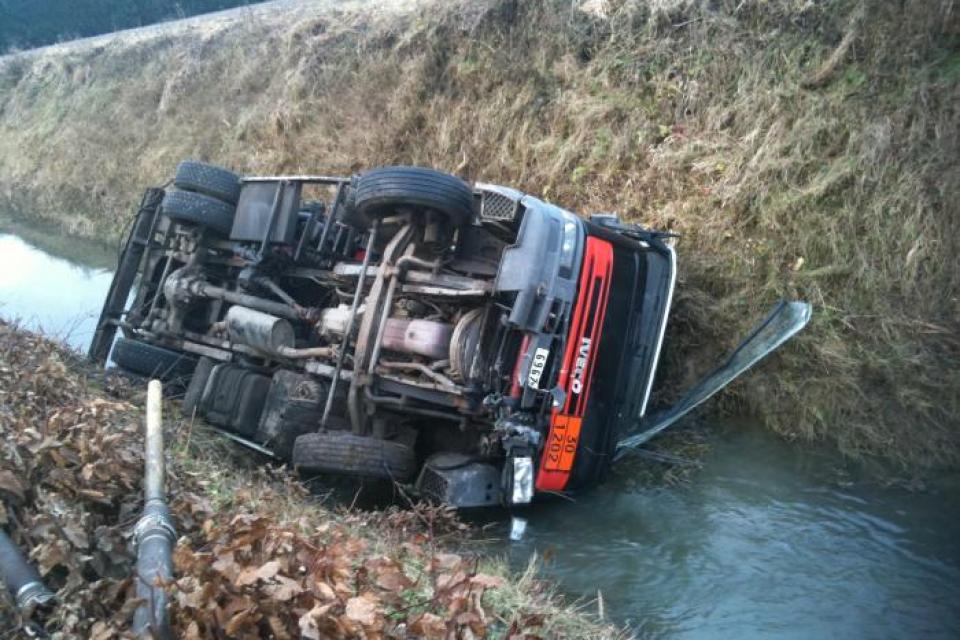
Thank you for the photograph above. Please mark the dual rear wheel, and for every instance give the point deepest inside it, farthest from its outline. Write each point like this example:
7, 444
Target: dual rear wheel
204, 195
207, 196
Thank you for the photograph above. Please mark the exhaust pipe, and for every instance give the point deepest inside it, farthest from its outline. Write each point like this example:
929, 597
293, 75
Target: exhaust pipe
21, 578
154, 533
268, 334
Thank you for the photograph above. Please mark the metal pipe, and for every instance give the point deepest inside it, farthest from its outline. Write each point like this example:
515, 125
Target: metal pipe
155, 470
331, 217
272, 221
154, 532
305, 352
336, 239
394, 275
422, 368
326, 370
370, 326
268, 334
301, 178
163, 274
403, 262
382, 326
307, 230
276, 290
246, 300
21, 578
403, 404
348, 243
249, 444
350, 322
412, 261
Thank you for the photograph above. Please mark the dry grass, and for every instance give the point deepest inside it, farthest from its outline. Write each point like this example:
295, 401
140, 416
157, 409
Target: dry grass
233, 482
802, 149
70, 473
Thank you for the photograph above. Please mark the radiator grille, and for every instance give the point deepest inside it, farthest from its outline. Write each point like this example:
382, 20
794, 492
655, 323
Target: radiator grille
432, 485
498, 207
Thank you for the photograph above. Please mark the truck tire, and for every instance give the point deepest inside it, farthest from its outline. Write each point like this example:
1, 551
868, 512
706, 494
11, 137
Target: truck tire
291, 426
152, 361
343, 452
198, 383
197, 208
209, 180
347, 213
379, 192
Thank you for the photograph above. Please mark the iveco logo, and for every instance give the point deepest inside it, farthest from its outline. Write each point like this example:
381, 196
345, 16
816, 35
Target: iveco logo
576, 385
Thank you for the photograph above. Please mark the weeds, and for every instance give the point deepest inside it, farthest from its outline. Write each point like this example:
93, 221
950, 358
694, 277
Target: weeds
801, 149
257, 556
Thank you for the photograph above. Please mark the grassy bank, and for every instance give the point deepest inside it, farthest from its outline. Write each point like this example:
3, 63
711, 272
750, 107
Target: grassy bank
257, 555
802, 149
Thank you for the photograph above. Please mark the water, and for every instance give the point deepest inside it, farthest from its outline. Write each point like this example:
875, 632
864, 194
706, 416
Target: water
768, 540
45, 288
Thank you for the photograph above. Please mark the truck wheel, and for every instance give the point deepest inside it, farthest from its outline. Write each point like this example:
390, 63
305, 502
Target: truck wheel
152, 361
347, 453
198, 382
380, 192
187, 206
209, 180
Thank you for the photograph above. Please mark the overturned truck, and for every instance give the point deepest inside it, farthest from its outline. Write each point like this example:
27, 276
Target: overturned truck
401, 324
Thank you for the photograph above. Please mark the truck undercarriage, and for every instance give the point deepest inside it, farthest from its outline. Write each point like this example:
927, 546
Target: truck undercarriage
400, 324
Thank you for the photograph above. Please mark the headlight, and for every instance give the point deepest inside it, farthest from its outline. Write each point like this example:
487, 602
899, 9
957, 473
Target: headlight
522, 489
568, 248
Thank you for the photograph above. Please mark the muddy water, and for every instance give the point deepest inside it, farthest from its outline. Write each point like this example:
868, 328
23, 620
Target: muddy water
768, 540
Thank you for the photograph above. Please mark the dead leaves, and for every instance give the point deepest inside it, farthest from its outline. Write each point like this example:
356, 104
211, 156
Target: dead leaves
70, 473
253, 574
70, 469
363, 609
11, 485
256, 577
430, 626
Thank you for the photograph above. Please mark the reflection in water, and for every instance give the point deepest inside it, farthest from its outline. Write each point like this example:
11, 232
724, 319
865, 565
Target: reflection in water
58, 296
766, 542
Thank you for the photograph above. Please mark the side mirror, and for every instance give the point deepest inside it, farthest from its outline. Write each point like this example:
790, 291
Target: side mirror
782, 323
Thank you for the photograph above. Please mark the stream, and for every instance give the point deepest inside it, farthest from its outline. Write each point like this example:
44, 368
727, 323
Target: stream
767, 540
53, 285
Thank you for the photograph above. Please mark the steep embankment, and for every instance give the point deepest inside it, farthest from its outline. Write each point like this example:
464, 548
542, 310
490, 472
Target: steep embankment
802, 149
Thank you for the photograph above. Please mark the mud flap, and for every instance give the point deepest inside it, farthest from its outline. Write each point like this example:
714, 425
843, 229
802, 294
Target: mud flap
786, 319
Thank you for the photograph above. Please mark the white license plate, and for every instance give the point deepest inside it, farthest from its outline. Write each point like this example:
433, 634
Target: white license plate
537, 366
